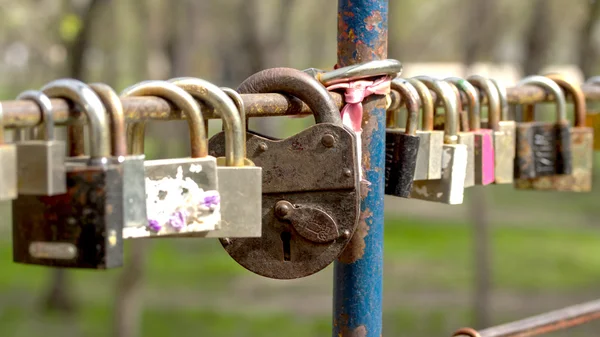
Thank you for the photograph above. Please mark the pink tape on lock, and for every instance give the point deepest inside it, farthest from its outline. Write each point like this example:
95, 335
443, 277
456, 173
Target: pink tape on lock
355, 93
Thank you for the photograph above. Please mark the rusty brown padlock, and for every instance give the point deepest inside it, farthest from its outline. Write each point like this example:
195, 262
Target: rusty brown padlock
310, 202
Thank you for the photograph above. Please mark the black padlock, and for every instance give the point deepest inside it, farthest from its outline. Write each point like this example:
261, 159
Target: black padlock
544, 148
310, 186
81, 228
402, 145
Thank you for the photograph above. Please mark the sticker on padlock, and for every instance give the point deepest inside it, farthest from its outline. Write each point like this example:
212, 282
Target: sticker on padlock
402, 145
41, 163
582, 145
181, 193
592, 118
544, 148
450, 188
429, 156
240, 181
82, 227
483, 139
464, 136
310, 201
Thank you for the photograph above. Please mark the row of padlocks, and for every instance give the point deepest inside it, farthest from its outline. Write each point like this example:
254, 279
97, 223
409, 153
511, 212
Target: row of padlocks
282, 208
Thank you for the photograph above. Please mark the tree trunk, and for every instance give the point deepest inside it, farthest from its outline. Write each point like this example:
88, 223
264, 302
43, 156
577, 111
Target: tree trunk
588, 52
538, 38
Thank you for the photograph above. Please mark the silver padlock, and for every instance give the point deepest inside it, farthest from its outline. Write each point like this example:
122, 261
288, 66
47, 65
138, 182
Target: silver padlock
181, 193
240, 182
429, 164
134, 187
450, 188
41, 163
8, 170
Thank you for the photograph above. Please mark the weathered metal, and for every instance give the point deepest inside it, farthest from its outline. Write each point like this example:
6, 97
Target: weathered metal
552, 321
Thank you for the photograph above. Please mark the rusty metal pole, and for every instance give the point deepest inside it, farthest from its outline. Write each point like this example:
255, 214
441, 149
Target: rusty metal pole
358, 273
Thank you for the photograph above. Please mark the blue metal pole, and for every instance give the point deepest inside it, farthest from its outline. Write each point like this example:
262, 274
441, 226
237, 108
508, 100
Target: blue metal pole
358, 273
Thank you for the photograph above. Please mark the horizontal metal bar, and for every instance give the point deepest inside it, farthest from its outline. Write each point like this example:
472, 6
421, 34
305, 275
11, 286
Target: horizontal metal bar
540, 324
27, 114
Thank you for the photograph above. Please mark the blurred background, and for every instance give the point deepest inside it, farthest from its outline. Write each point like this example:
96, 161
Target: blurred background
501, 256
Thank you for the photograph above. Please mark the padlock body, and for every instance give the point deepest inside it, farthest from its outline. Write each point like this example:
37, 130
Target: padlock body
182, 198
8, 175
400, 162
580, 180
450, 188
134, 191
484, 157
542, 149
41, 166
317, 176
504, 148
241, 206
592, 120
468, 139
429, 156
81, 228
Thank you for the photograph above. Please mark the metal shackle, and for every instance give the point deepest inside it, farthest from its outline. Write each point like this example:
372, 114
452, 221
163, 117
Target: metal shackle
445, 92
473, 100
411, 98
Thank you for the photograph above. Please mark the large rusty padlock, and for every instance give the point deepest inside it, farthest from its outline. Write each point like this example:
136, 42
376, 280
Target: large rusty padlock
310, 203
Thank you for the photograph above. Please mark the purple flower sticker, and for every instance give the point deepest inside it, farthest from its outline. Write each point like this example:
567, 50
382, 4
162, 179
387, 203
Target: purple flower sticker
177, 220
211, 198
154, 225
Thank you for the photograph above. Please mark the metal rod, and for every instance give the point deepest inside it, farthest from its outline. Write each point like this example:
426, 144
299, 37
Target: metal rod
27, 114
358, 272
540, 324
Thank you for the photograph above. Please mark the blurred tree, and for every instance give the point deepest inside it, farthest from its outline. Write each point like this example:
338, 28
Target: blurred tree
588, 46
538, 38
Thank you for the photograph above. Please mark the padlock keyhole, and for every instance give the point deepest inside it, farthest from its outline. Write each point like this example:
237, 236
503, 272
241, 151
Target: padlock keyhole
286, 238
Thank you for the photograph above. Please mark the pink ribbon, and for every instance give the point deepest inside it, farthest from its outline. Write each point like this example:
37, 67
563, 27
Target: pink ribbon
356, 92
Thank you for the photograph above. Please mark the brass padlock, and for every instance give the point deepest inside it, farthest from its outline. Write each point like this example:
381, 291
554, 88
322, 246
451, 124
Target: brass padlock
402, 144
503, 129
429, 156
464, 136
41, 163
8, 158
450, 188
81, 228
592, 118
310, 186
582, 145
544, 148
181, 194
240, 181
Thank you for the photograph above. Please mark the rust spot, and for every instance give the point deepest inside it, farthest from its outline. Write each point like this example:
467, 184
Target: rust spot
356, 247
372, 21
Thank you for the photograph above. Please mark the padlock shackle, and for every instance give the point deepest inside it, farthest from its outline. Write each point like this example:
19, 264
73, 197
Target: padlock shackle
114, 108
411, 99
578, 97
212, 95
463, 117
387, 67
427, 103
445, 92
180, 98
43, 101
91, 105
239, 103
550, 85
298, 84
490, 90
473, 100
502, 94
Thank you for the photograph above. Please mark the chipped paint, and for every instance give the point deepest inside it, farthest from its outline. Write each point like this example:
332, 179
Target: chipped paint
356, 247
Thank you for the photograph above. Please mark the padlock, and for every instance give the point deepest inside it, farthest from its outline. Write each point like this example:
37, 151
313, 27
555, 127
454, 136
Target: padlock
503, 129
8, 158
592, 118
310, 186
429, 156
450, 188
402, 145
182, 198
464, 137
41, 163
582, 150
81, 228
483, 153
544, 148
240, 181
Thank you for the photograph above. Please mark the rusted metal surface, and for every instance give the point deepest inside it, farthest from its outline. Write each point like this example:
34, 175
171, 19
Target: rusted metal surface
540, 324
